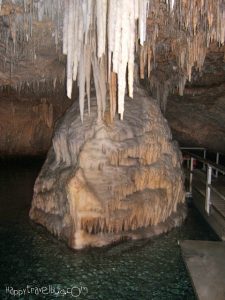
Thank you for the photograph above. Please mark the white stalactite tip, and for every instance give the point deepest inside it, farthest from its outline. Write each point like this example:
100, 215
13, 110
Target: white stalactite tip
113, 28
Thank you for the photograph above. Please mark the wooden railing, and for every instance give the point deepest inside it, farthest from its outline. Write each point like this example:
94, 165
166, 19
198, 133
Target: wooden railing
209, 167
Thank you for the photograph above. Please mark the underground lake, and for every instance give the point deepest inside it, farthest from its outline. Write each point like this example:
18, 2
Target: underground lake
33, 261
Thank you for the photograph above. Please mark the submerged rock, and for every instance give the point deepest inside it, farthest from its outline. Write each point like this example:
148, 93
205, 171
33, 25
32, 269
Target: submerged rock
104, 182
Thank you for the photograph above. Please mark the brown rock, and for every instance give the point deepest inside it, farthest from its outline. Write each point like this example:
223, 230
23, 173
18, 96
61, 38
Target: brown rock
27, 123
197, 118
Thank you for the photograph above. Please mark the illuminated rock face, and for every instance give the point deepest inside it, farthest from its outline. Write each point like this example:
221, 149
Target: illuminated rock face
104, 182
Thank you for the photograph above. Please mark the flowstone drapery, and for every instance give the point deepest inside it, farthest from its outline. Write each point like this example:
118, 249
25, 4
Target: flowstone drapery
103, 182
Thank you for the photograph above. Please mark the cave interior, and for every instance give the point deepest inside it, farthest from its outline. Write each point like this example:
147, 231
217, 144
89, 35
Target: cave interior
97, 97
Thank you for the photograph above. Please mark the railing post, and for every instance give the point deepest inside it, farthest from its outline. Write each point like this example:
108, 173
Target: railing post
191, 175
208, 189
204, 156
217, 162
188, 163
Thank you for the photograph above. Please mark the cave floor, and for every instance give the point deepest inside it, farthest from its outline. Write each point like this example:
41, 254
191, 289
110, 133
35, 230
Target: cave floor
31, 258
205, 262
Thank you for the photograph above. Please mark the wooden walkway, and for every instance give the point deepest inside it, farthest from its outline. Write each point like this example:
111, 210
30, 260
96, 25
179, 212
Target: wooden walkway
205, 261
215, 187
216, 217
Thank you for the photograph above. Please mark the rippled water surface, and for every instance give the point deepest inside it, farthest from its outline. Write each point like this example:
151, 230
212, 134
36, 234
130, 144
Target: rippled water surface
33, 260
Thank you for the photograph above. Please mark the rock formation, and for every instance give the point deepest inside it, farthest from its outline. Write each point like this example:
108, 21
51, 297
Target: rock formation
26, 125
103, 182
197, 118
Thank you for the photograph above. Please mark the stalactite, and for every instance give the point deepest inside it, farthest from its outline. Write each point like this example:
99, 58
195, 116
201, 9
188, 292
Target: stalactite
131, 49
87, 55
101, 13
81, 84
122, 30
22, 33
112, 94
121, 17
70, 47
65, 29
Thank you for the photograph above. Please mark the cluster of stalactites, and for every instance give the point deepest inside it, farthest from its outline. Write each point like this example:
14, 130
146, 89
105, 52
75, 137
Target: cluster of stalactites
101, 34
204, 22
101, 37
190, 26
21, 32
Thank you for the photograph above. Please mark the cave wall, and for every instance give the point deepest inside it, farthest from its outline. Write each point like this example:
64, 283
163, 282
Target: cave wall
198, 117
32, 76
27, 122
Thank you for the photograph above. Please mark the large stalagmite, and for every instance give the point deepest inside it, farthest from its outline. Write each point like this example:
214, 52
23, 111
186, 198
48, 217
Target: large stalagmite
103, 182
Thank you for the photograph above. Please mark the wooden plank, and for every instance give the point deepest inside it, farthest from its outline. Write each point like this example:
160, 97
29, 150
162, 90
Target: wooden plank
205, 261
217, 199
214, 219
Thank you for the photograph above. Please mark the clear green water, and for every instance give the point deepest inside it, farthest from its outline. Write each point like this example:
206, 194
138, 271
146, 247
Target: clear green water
147, 269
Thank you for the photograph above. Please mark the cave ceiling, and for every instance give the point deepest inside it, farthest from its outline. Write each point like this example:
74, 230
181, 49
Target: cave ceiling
179, 35
180, 61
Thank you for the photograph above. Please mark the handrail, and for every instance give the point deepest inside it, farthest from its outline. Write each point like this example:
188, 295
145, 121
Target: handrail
215, 166
210, 166
201, 148
193, 148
